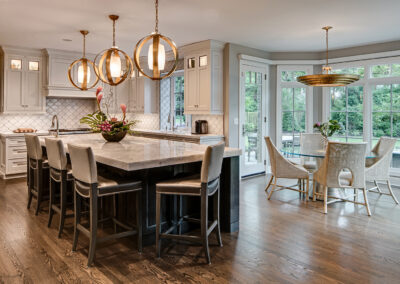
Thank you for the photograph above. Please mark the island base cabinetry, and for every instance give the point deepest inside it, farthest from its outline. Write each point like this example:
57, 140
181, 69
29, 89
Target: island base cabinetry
13, 162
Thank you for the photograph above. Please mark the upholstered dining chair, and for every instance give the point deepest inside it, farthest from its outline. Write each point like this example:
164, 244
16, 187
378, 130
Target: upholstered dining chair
343, 167
37, 167
204, 185
88, 185
61, 174
309, 143
283, 168
377, 169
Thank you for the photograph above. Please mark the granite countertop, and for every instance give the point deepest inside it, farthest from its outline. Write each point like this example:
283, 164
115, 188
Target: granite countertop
8, 133
178, 134
135, 153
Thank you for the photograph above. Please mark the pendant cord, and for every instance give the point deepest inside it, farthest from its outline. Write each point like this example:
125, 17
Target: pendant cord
156, 6
327, 54
113, 32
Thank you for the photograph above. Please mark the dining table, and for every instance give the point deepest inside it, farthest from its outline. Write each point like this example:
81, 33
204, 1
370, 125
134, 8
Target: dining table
152, 160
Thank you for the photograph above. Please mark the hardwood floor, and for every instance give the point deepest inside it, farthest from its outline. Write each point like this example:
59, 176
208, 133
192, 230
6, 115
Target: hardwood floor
283, 240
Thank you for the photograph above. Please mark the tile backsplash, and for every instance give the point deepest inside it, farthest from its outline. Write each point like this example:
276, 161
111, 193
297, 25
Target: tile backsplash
215, 123
69, 111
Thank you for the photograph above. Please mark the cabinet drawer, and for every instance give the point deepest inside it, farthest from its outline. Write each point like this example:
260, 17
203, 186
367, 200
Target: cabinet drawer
16, 166
16, 141
14, 152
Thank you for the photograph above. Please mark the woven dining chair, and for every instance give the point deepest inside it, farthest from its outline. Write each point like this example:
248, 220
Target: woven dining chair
377, 169
343, 167
283, 168
309, 143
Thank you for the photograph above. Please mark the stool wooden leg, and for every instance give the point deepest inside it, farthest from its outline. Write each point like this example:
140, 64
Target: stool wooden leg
63, 204
115, 205
30, 186
93, 227
139, 219
51, 202
39, 186
216, 217
77, 218
204, 223
158, 224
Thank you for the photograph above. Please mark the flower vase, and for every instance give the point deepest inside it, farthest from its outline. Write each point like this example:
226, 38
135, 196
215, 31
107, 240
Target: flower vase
326, 140
117, 137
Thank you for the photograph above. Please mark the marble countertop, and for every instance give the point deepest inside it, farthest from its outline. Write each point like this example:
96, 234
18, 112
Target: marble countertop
178, 134
135, 153
12, 134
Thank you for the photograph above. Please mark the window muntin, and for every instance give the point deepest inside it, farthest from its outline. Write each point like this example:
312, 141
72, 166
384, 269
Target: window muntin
385, 70
351, 70
291, 76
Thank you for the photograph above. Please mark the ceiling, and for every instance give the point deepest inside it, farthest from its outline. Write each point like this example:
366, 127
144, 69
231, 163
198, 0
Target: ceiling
271, 25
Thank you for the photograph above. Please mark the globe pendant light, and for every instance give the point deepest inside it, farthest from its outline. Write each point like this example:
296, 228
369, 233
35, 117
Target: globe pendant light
110, 68
83, 69
327, 79
156, 55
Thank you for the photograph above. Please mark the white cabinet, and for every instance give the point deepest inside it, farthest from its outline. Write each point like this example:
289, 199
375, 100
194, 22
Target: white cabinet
57, 82
21, 88
204, 78
143, 97
13, 160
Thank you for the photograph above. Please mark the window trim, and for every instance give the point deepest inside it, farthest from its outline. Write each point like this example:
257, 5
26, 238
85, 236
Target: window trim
309, 98
179, 73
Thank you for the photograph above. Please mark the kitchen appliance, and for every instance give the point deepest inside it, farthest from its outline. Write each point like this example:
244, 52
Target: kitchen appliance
201, 127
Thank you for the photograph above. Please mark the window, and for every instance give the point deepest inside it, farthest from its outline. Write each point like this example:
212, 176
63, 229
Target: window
16, 64
347, 109
172, 102
293, 107
33, 66
369, 108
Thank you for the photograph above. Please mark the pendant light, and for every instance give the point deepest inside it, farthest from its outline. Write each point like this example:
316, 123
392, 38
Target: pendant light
112, 69
156, 53
327, 79
84, 67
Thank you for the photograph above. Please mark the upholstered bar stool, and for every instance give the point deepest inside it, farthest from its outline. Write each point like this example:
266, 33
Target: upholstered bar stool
37, 166
204, 186
91, 186
61, 174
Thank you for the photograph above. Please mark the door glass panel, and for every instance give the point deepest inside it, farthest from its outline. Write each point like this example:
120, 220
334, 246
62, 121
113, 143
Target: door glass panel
33, 66
253, 118
16, 64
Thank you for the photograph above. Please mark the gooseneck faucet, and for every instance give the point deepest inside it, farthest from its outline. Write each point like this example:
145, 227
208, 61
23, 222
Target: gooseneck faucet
55, 118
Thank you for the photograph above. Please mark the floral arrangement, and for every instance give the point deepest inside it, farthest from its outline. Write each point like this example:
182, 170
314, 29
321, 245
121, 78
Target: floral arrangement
104, 122
327, 129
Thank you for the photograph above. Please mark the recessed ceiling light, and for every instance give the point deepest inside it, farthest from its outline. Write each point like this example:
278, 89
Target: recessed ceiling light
67, 39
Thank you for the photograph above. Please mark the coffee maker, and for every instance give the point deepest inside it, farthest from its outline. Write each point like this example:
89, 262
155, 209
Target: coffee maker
201, 127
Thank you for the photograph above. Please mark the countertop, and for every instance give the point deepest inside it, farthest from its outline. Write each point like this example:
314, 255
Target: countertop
12, 134
135, 153
178, 134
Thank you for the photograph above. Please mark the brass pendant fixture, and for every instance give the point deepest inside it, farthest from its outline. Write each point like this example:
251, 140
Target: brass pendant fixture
84, 66
110, 68
327, 79
156, 55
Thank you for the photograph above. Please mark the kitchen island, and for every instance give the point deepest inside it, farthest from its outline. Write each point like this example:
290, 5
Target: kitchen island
152, 160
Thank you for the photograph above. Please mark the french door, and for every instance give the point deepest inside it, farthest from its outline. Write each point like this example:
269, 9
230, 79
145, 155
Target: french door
253, 118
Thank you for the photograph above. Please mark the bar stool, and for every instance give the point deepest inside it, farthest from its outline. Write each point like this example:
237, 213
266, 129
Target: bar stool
204, 186
37, 167
61, 174
91, 186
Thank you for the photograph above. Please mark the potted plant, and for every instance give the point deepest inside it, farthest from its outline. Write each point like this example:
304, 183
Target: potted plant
327, 129
111, 128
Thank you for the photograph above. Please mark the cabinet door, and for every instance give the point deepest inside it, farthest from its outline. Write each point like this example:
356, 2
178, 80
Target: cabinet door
150, 97
58, 72
32, 95
122, 95
204, 88
191, 81
132, 95
140, 94
13, 100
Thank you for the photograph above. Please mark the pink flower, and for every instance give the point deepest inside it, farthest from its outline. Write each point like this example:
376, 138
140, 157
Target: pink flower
105, 126
99, 97
99, 89
114, 119
318, 124
123, 108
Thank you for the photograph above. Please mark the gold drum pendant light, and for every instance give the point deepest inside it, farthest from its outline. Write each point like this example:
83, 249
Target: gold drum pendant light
156, 55
327, 79
84, 67
111, 68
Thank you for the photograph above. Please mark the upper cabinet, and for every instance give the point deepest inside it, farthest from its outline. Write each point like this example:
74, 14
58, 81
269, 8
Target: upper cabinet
204, 78
22, 80
143, 97
57, 82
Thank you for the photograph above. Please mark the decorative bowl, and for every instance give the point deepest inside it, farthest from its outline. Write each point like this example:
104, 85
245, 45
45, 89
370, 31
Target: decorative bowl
114, 137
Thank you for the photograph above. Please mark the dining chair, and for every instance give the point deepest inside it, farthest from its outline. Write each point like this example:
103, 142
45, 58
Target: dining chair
89, 185
205, 185
283, 168
377, 169
37, 167
309, 144
343, 167
61, 175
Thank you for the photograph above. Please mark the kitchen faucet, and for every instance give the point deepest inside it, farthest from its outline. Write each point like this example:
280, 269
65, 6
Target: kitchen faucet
55, 118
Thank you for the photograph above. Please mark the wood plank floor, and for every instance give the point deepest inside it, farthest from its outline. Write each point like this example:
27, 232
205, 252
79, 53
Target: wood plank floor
284, 240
